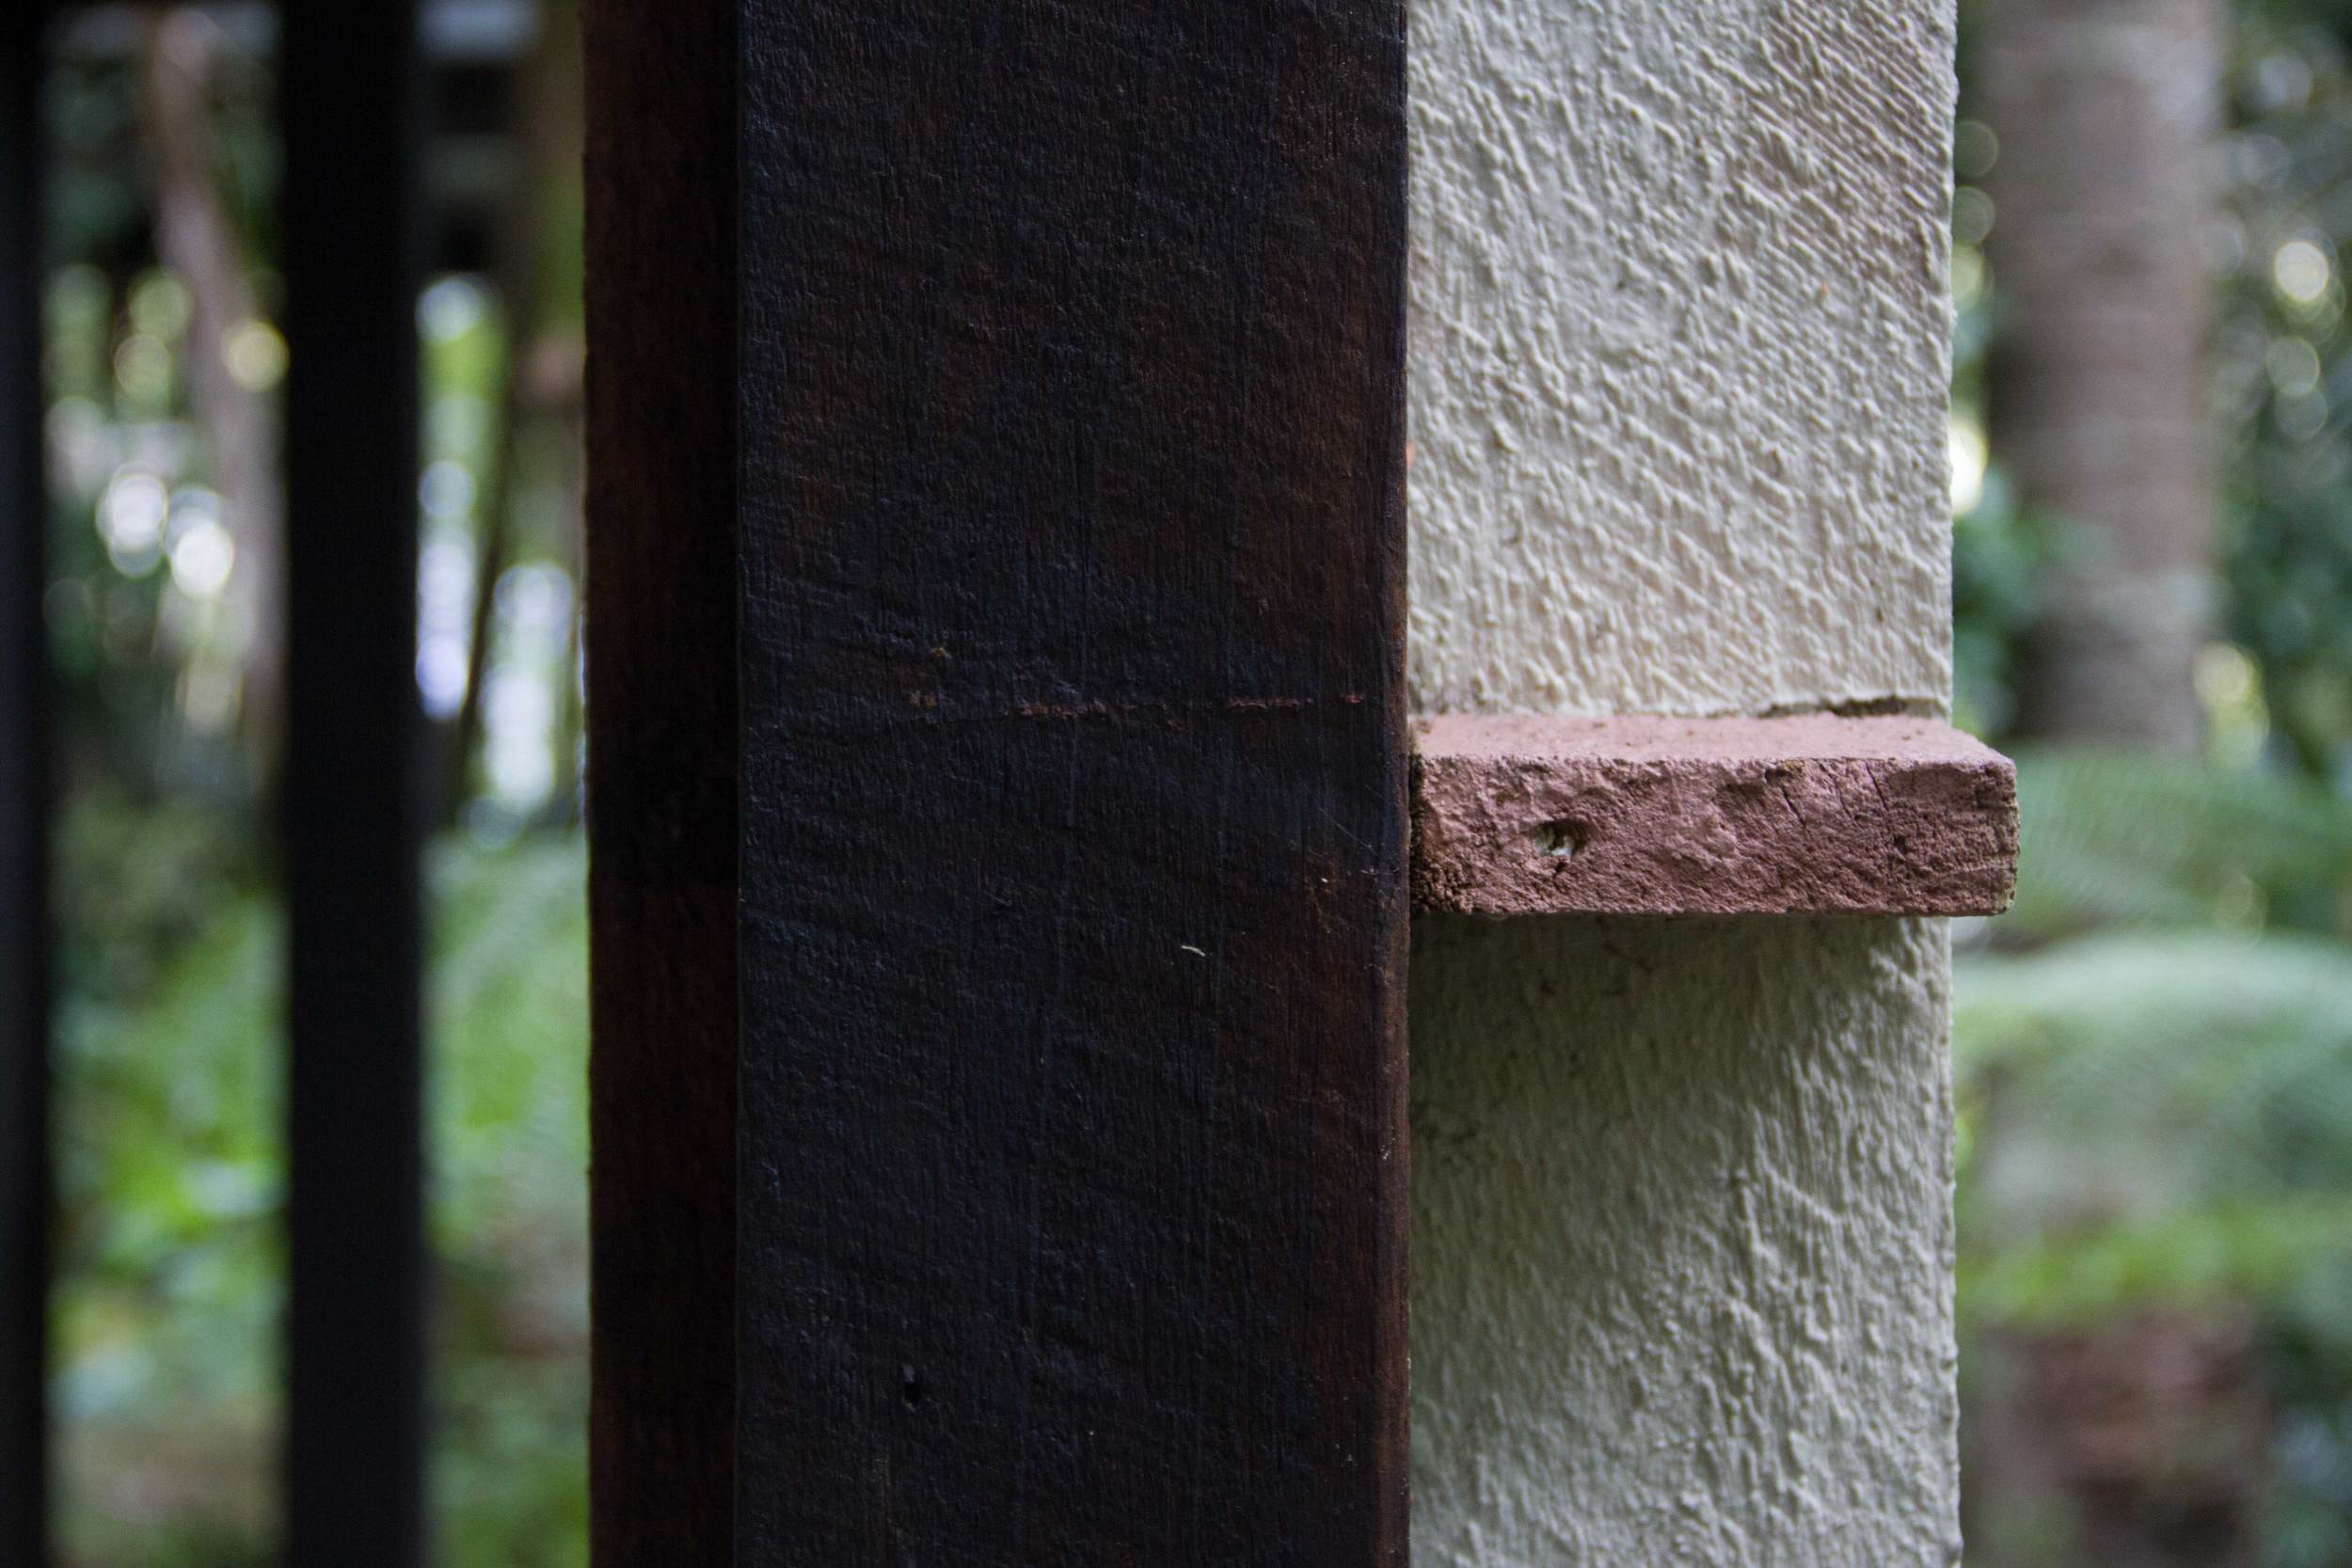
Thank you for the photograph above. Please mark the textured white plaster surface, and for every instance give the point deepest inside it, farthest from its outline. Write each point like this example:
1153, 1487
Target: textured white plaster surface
1679, 333
1681, 1189
1682, 1243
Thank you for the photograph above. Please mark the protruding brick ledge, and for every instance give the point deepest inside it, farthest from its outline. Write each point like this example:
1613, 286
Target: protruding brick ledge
1518, 815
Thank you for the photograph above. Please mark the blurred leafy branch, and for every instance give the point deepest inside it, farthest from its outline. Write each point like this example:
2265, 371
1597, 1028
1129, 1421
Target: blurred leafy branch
172, 1194
2154, 1060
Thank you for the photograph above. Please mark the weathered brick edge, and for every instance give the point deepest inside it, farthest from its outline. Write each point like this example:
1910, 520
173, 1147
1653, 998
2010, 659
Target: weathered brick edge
1522, 815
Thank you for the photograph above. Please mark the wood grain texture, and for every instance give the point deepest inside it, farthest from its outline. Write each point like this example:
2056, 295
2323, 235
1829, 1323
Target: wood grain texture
1527, 814
24, 800
351, 791
661, 786
1072, 1147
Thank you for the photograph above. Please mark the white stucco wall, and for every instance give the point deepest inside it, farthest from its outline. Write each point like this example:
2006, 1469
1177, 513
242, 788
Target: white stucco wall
1679, 340
1682, 1244
1682, 1241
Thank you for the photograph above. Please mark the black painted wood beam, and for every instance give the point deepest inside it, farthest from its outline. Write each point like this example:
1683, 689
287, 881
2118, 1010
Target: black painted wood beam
1061, 373
25, 1189
351, 790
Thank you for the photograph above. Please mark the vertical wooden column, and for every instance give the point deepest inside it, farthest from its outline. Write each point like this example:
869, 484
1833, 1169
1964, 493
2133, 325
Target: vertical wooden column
25, 1183
351, 789
661, 798
1067, 642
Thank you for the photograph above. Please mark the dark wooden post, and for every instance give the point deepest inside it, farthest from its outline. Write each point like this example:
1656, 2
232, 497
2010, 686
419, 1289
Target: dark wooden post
352, 790
1061, 378
24, 1184
661, 797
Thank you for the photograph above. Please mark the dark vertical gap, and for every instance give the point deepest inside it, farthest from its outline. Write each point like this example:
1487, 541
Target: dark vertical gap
26, 1192
661, 778
351, 789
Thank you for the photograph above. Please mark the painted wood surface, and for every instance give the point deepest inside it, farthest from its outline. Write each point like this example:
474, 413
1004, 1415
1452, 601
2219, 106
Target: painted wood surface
351, 791
24, 1072
661, 796
1073, 1160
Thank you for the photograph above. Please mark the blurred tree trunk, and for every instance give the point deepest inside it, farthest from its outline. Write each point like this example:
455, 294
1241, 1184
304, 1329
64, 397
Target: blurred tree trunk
196, 239
2102, 192
537, 247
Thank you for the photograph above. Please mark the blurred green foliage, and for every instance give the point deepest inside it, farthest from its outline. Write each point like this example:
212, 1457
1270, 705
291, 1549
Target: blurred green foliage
2283, 394
171, 1266
172, 1189
2152, 1053
2154, 1048
169, 1156
2001, 558
2112, 840
2280, 400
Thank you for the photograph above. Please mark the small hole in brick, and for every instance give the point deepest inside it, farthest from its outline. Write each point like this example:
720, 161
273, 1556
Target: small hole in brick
911, 1387
1561, 840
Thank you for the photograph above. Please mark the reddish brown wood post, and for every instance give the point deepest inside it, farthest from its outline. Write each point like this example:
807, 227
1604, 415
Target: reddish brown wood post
352, 792
1061, 379
661, 746
24, 1184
